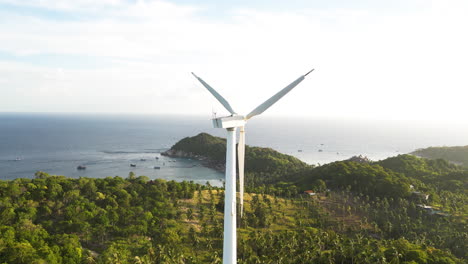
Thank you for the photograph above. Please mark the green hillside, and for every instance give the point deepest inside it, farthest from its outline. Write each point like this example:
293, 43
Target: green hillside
403, 209
264, 165
433, 174
457, 155
372, 180
204, 145
53, 219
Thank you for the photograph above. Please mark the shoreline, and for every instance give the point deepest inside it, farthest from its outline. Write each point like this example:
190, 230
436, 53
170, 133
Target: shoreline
205, 161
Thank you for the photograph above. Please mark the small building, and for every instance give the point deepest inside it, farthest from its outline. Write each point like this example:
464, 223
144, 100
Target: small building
420, 195
360, 159
427, 208
310, 192
442, 214
432, 211
423, 206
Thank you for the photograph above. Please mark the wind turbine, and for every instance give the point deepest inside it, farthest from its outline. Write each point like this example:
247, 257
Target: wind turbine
231, 123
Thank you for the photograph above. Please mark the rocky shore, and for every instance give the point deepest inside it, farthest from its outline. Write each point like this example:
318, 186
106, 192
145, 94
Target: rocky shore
205, 161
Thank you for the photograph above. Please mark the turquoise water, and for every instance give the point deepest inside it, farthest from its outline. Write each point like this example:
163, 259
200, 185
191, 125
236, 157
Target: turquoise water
106, 145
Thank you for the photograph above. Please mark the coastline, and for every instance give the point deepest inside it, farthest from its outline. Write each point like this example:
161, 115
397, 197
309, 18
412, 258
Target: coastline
205, 161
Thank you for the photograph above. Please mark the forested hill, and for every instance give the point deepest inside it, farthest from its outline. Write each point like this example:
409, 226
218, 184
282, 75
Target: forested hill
58, 220
457, 155
391, 177
264, 165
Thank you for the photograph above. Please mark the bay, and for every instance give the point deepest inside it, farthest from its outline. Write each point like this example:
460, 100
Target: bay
108, 144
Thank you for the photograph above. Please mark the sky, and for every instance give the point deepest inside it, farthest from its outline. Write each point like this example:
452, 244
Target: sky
395, 60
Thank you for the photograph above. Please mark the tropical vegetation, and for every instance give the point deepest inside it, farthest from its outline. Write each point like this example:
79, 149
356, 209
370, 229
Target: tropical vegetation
456, 154
402, 209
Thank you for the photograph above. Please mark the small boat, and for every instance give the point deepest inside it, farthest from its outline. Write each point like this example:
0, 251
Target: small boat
81, 167
157, 158
18, 159
142, 159
157, 167
132, 165
299, 150
320, 150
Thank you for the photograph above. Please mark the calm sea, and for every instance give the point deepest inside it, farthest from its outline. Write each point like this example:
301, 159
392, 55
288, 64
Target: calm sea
108, 144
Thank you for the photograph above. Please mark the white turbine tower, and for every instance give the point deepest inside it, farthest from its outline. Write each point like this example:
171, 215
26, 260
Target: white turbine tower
231, 123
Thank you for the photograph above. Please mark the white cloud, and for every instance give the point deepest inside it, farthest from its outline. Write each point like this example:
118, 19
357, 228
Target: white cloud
403, 66
69, 5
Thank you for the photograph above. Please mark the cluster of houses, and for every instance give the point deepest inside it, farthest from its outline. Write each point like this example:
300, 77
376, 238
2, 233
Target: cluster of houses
419, 195
427, 208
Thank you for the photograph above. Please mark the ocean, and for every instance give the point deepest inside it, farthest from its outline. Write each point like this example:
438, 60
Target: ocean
108, 144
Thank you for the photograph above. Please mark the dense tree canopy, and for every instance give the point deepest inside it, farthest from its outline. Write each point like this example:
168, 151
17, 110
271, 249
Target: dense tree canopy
53, 219
400, 210
263, 165
458, 154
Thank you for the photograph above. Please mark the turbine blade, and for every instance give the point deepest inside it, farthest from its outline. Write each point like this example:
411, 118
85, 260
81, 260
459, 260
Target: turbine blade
221, 99
268, 103
241, 157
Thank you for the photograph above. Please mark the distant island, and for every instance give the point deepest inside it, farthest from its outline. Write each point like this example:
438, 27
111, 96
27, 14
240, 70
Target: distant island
457, 155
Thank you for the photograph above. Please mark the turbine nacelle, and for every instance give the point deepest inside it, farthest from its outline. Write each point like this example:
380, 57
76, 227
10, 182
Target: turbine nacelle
227, 122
